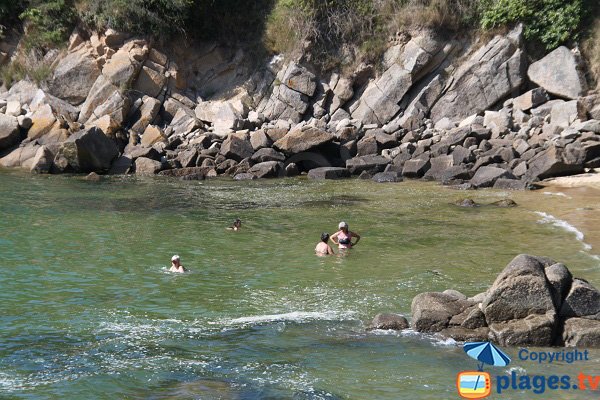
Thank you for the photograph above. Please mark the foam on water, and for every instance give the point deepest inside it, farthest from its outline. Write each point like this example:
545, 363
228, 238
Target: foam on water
559, 194
295, 316
559, 223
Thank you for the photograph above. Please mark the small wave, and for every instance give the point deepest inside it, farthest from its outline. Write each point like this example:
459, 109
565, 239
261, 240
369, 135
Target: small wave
560, 194
559, 223
296, 316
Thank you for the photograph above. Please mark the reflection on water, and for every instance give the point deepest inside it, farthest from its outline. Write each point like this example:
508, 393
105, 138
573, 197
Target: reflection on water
89, 311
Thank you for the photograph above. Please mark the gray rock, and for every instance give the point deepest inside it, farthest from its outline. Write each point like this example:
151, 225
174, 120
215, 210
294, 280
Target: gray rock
268, 169
121, 166
188, 158
260, 140
487, 176
304, 139
531, 99
291, 170
564, 114
519, 291
583, 300
491, 73
366, 146
533, 330
386, 177
74, 76
560, 280
455, 293
89, 150
431, 311
43, 160
244, 176
559, 73
9, 131
438, 166
135, 152
551, 162
389, 322
147, 167
416, 168
580, 332
371, 163
328, 173
267, 154
462, 334
237, 147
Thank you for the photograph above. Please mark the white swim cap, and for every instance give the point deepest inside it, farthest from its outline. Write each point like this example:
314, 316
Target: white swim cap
343, 225
175, 258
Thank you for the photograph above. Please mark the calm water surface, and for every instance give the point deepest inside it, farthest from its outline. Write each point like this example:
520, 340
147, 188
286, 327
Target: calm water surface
88, 309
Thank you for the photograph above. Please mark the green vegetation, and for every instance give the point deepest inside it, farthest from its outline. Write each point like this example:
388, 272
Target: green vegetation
328, 31
551, 22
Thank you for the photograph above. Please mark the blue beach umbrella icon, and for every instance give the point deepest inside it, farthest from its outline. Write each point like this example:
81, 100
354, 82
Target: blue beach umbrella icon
486, 353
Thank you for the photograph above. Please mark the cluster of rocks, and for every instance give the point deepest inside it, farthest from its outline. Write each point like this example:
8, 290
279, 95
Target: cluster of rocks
438, 111
533, 302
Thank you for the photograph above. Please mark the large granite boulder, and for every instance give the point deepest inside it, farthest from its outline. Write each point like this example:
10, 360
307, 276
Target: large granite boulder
416, 168
582, 301
237, 147
432, 311
268, 169
43, 160
224, 115
551, 162
147, 167
9, 131
560, 279
489, 75
292, 90
581, 332
520, 290
74, 76
371, 163
533, 330
267, 154
303, 139
560, 73
487, 176
89, 150
328, 173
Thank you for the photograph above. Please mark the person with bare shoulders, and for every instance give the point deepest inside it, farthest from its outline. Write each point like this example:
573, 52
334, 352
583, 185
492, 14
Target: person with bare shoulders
237, 225
323, 248
176, 265
343, 237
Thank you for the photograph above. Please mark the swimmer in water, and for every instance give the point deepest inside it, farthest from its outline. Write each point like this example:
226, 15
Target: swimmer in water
237, 225
176, 265
322, 248
343, 237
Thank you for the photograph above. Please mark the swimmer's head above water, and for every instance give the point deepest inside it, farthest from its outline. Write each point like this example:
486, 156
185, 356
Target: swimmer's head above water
324, 237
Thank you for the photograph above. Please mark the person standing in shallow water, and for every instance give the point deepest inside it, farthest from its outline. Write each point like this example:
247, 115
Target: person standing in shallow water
176, 265
322, 248
343, 237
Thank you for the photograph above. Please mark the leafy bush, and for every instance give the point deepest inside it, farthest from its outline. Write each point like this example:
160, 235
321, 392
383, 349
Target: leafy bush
48, 23
153, 17
552, 22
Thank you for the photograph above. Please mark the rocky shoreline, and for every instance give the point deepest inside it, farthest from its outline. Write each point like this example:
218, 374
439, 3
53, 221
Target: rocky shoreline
534, 301
445, 110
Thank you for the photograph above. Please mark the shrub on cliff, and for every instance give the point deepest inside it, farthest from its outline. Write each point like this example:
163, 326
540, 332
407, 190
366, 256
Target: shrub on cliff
552, 22
48, 23
153, 17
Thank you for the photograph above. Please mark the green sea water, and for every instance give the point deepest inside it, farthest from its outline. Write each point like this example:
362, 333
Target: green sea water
89, 311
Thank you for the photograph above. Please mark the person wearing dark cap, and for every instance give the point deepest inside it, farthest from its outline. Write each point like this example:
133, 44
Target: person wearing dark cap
323, 248
237, 225
343, 237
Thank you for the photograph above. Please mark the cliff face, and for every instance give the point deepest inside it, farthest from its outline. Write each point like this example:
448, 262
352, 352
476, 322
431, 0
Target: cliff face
438, 104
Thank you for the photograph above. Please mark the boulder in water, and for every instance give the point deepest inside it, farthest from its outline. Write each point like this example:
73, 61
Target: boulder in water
389, 322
